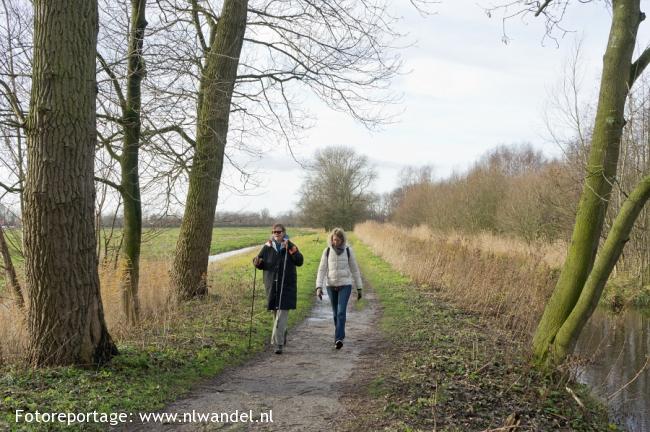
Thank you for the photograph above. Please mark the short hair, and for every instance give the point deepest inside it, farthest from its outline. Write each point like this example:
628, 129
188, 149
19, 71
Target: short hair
279, 225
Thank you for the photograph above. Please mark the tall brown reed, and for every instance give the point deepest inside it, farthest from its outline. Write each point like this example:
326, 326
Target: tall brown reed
13, 333
509, 283
156, 309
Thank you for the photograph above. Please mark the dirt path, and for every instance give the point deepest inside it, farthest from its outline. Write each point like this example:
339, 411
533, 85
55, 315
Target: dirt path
301, 387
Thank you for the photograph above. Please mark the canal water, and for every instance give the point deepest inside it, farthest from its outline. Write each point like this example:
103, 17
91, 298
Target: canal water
617, 350
224, 255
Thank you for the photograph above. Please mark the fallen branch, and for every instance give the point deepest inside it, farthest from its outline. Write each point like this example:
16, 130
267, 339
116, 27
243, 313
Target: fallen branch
575, 397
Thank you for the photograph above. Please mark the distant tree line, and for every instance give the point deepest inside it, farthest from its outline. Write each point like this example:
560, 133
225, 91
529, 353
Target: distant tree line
221, 219
516, 190
510, 190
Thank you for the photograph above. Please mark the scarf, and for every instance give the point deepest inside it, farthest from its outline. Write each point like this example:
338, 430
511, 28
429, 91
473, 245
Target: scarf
278, 246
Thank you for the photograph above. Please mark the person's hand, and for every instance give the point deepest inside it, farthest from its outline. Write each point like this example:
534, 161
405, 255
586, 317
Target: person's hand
358, 294
257, 261
319, 293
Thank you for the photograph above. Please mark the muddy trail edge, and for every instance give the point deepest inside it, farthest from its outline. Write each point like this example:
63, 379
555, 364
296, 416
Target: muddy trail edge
302, 387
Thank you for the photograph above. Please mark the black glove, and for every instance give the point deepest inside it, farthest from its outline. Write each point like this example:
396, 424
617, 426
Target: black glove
358, 294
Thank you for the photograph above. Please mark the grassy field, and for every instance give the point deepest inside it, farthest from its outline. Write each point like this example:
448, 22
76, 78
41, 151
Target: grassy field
159, 244
444, 368
173, 348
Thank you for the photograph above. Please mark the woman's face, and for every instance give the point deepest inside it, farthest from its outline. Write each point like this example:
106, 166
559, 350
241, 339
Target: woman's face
336, 241
278, 234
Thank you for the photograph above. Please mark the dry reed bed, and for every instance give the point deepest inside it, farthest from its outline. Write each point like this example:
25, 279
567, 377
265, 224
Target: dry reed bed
505, 279
157, 313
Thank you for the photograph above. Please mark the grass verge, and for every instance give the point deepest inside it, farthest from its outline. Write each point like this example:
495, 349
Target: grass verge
158, 363
443, 368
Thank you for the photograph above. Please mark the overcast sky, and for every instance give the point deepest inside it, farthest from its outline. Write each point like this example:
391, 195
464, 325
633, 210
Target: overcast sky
464, 92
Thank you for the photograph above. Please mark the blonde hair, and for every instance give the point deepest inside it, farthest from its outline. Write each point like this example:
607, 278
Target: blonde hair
339, 233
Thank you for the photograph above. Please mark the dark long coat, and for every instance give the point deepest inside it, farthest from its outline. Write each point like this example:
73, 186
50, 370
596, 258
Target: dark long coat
273, 264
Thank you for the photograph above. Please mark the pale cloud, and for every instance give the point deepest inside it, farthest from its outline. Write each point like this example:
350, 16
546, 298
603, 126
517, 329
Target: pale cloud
446, 81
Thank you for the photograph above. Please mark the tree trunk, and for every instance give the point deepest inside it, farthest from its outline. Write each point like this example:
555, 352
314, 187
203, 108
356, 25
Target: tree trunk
130, 182
619, 234
10, 272
188, 275
65, 318
600, 176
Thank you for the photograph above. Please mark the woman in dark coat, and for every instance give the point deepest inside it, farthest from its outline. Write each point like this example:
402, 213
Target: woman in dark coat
279, 258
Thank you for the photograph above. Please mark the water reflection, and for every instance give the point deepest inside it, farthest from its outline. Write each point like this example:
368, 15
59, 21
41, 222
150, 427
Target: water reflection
617, 347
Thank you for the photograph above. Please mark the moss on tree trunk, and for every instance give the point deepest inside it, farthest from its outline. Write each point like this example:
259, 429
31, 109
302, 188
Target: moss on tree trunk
600, 176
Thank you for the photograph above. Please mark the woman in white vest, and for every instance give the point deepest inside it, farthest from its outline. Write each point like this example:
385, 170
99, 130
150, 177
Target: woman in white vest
338, 271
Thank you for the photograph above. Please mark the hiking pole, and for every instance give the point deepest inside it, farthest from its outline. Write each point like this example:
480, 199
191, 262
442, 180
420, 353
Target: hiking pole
284, 268
250, 328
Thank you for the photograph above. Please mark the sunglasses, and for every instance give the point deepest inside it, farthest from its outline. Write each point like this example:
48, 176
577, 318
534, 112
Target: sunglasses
277, 232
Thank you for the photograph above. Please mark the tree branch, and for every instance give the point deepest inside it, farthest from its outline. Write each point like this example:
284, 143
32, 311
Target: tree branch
109, 183
174, 128
542, 7
117, 120
13, 101
197, 25
114, 80
11, 189
109, 148
639, 66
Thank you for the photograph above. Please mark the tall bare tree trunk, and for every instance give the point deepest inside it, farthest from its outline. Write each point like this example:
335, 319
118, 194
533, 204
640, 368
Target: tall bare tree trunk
616, 80
65, 318
130, 185
188, 274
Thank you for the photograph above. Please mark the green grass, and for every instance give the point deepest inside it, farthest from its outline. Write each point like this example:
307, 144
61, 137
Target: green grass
446, 369
161, 364
160, 243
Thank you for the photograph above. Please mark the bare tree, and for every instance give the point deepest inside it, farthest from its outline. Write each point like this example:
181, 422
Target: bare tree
222, 49
570, 109
128, 93
633, 164
336, 190
586, 270
340, 50
65, 319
